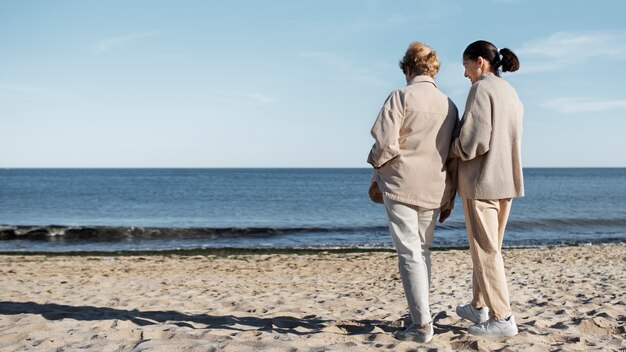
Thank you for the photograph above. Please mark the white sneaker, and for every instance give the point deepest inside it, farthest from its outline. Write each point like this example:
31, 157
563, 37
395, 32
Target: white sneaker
414, 333
495, 328
477, 316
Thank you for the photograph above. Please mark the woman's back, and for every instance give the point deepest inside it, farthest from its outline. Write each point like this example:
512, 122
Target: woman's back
426, 120
490, 141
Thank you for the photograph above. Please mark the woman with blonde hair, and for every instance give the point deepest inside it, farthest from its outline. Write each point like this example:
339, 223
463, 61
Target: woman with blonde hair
489, 176
414, 176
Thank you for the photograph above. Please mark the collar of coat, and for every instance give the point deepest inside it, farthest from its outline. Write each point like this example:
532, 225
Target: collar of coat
419, 79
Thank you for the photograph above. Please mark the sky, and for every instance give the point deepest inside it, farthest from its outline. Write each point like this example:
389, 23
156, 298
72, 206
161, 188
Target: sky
149, 83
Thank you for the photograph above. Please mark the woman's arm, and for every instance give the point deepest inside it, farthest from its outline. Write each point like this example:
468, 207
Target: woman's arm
386, 131
475, 133
452, 162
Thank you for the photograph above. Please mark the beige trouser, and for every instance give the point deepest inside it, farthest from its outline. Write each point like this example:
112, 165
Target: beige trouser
485, 221
412, 230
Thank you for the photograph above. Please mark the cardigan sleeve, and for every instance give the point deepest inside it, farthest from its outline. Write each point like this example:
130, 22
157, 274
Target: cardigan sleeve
452, 161
386, 131
475, 134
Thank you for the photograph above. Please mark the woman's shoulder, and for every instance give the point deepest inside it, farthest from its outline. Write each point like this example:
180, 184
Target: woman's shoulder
490, 84
425, 89
492, 87
428, 98
486, 82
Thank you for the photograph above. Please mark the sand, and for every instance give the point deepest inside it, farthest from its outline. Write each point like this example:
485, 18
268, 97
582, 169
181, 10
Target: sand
564, 298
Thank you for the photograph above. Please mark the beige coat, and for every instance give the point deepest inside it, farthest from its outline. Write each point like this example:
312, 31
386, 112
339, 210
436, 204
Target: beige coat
489, 144
413, 133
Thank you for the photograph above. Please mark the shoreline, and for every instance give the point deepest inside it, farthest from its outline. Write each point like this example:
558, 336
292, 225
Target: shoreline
235, 251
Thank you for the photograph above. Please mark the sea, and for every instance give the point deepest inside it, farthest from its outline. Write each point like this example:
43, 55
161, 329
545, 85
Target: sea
84, 210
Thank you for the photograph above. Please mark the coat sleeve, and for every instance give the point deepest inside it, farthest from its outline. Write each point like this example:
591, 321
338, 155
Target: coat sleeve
452, 161
475, 133
386, 131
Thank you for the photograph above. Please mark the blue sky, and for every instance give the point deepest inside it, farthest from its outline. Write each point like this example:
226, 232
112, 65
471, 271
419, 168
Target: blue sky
288, 83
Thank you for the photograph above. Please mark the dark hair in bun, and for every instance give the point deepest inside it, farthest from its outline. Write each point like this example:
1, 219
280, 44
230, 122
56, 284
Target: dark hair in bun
508, 63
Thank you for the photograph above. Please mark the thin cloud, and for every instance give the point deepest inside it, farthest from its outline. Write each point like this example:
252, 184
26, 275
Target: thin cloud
13, 91
386, 21
248, 97
258, 98
572, 105
19, 89
343, 67
108, 44
424, 14
568, 49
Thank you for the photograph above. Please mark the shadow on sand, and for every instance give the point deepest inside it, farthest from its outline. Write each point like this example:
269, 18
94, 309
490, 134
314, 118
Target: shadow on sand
280, 324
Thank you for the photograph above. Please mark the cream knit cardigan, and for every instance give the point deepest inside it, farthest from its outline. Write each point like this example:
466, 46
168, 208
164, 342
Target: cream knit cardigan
489, 142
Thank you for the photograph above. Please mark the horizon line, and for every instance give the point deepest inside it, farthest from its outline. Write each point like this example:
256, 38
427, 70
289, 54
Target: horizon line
258, 167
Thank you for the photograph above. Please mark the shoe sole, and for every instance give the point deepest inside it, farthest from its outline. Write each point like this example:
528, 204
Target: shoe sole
415, 339
492, 335
472, 320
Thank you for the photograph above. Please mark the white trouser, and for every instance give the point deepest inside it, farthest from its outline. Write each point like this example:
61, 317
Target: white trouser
412, 229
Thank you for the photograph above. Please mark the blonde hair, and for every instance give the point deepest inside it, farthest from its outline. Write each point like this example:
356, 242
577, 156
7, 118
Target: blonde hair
420, 60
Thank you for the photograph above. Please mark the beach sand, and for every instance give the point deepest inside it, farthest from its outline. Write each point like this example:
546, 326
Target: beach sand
564, 298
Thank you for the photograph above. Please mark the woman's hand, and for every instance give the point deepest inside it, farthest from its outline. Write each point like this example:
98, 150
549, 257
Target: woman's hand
444, 214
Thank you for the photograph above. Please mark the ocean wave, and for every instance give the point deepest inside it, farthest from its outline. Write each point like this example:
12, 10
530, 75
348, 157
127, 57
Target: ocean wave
561, 224
113, 234
567, 223
124, 233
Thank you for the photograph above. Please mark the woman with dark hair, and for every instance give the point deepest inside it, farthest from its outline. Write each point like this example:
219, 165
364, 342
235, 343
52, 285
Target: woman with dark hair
489, 176
414, 176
